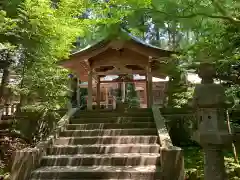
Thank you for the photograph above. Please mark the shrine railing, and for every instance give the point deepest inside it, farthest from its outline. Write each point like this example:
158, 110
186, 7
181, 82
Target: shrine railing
26, 160
172, 158
9, 109
180, 123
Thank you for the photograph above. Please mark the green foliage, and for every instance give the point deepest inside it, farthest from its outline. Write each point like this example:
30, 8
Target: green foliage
179, 124
178, 91
194, 158
6, 26
203, 31
43, 31
233, 94
183, 97
36, 125
117, 93
42, 36
131, 96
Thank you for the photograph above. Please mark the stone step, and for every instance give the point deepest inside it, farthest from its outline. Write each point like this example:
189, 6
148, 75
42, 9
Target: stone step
108, 132
103, 149
77, 179
127, 159
7, 121
4, 132
133, 109
119, 120
98, 172
4, 126
112, 114
110, 126
107, 140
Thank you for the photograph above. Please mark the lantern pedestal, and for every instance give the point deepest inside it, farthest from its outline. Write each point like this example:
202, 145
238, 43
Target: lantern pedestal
211, 130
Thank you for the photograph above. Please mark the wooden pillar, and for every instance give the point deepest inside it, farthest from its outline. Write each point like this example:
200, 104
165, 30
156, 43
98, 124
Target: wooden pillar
69, 104
146, 98
106, 97
150, 92
90, 91
123, 91
78, 92
98, 92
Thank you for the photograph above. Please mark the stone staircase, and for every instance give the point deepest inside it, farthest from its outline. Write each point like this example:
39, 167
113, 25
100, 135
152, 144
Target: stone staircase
104, 145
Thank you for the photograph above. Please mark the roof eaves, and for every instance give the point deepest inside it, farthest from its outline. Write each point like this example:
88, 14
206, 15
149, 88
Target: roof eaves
140, 41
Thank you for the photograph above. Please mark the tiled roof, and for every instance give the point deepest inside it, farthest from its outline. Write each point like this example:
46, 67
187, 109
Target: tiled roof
105, 40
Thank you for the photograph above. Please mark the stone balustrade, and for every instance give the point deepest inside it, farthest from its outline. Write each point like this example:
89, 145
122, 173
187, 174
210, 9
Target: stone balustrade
26, 160
172, 159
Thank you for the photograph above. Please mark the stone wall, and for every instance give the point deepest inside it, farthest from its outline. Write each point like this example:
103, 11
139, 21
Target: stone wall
26, 160
180, 121
180, 128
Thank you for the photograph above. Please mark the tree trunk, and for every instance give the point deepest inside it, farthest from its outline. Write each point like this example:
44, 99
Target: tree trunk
170, 99
174, 36
22, 96
158, 42
4, 84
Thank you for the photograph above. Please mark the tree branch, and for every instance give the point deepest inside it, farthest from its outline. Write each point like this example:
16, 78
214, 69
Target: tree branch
218, 6
223, 17
206, 15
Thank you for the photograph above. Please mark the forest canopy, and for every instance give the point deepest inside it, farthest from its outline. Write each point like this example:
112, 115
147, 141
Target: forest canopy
35, 34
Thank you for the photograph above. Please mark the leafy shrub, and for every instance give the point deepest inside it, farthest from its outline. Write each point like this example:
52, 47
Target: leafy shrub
36, 125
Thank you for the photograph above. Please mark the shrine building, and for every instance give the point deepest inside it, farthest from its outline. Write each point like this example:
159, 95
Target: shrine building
107, 64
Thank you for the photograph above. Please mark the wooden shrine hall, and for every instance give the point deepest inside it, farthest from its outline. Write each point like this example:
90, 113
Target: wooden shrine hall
121, 57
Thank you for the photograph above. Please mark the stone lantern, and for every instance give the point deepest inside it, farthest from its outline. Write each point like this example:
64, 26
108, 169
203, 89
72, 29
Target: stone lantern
211, 130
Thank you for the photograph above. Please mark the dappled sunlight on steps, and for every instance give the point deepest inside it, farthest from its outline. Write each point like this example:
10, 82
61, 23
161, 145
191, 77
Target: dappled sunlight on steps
109, 132
104, 145
98, 172
117, 159
91, 126
106, 140
101, 149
